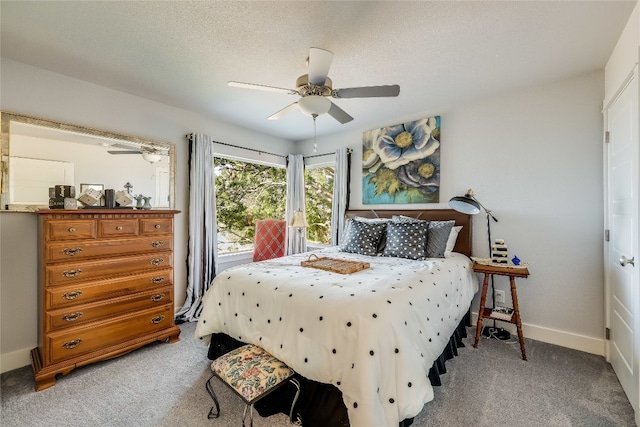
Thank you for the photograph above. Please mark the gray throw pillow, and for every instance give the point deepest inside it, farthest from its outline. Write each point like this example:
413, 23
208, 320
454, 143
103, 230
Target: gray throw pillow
406, 240
437, 238
362, 238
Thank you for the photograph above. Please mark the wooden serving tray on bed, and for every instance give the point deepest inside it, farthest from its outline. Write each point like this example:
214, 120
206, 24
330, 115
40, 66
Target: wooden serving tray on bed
335, 265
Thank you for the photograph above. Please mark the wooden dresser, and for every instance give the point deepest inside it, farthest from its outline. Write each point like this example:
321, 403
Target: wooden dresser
105, 286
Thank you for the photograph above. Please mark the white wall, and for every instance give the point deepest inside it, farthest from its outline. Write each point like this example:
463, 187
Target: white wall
534, 157
624, 56
36, 92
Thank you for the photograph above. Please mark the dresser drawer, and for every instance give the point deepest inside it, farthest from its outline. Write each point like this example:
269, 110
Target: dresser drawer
118, 227
55, 252
156, 225
81, 314
70, 230
72, 295
73, 342
73, 272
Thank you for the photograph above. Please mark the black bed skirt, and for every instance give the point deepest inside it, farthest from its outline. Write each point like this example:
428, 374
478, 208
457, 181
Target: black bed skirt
319, 404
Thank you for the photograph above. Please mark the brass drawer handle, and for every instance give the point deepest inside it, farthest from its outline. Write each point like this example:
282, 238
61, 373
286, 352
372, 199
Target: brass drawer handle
71, 252
157, 320
156, 298
72, 317
71, 295
158, 244
157, 261
157, 227
157, 279
71, 273
72, 230
119, 228
72, 344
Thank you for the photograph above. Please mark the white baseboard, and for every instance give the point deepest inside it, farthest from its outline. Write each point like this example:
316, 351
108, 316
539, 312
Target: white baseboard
554, 336
14, 360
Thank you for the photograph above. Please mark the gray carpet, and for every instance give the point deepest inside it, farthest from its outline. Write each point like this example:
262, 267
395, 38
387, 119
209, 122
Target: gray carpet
163, 385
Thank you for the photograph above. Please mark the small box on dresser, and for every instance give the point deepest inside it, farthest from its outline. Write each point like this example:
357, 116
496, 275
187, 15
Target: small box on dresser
105, 286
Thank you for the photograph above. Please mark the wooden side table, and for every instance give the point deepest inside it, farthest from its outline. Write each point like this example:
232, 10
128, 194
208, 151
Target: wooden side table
485, 312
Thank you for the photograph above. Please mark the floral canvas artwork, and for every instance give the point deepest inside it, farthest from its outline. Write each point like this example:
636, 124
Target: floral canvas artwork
401, 163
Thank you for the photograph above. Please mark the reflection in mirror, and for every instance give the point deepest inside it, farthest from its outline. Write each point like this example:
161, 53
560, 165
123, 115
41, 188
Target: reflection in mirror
38, 154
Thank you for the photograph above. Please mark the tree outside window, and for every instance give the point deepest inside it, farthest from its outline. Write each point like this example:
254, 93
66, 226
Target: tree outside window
318, 202
247, 192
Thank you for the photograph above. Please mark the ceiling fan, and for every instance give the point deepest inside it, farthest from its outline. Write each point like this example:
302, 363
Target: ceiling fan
151, 155
315, 87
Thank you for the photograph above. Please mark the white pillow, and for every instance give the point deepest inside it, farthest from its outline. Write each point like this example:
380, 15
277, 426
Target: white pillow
371, 220
451, 242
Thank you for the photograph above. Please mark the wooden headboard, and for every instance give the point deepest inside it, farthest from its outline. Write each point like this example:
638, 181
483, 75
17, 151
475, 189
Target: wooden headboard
464, 242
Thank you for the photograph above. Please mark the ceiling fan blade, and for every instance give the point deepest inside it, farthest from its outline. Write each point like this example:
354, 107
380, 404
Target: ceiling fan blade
285, 110
319, 64
262, 87
124, 152
339, 114
368, 91
125, 146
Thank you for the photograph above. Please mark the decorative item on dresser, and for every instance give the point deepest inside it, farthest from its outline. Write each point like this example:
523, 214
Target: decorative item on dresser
105, 286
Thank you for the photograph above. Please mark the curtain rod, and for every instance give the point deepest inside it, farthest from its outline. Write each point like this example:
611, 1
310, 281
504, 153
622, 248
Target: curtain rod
349, 150
190, 135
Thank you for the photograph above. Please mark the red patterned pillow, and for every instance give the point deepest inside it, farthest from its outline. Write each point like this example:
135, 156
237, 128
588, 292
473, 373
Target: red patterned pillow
270, 239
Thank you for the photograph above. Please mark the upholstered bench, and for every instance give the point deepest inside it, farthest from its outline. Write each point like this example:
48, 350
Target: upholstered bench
251, 373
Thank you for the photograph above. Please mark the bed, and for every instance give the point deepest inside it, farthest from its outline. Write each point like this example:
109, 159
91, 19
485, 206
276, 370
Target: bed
366, 343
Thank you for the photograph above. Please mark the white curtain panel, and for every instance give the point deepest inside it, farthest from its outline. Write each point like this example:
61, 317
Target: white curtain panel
340, 194
296, 240
202, 226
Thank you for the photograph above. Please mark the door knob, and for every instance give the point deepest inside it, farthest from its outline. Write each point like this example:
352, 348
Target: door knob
624, 261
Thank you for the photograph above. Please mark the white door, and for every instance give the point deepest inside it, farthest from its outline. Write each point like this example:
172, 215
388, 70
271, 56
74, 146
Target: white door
162, 188
622, 207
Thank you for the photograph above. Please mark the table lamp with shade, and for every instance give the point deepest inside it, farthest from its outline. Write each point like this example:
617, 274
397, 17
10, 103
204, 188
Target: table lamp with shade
470, 205
299, 221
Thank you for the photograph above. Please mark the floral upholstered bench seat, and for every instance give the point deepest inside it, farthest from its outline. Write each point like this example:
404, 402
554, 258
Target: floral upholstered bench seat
251, 373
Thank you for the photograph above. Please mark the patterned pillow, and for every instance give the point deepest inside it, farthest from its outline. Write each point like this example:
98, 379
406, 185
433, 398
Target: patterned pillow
406, 239
437, 237
362, 237
383, 238
437, 240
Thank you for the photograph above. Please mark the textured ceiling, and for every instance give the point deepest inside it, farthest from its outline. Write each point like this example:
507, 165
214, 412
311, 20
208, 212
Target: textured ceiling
440, 53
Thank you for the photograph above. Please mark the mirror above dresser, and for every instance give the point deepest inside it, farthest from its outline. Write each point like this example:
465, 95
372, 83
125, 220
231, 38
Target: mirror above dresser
37, 154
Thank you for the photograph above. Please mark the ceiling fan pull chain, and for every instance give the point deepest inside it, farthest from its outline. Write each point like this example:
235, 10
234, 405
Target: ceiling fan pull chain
315, 145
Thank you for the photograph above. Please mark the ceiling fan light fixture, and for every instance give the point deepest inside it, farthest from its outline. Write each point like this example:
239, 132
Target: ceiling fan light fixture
314, 105
151, 158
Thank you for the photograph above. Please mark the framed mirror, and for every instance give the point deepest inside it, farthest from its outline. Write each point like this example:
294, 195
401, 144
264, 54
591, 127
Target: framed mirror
37, 154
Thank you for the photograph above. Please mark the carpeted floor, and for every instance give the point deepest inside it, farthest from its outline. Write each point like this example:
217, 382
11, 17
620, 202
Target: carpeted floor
163, 385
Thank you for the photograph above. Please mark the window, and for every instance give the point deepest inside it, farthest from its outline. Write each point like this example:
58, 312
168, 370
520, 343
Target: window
318, 202
246, 192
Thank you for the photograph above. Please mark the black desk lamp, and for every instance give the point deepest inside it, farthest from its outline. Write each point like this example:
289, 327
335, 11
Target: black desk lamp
469, 205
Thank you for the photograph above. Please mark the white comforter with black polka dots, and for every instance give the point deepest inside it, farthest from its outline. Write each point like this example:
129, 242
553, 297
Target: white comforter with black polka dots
374, 334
